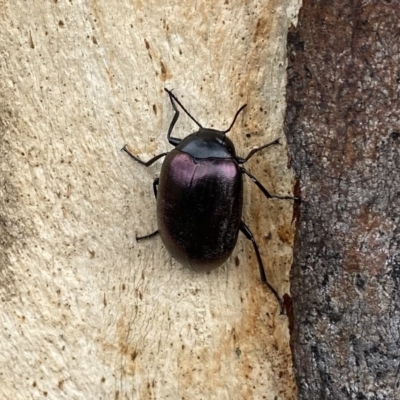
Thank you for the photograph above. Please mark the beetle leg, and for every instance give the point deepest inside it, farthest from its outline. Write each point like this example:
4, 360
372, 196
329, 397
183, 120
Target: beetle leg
234, 118
138, 238
174, 99
145, 163
155, 184
265, 191
252, 152
244, 229
172, 140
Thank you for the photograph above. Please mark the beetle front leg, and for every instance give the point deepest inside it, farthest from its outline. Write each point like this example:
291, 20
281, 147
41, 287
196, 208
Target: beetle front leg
145, 163
244, 229
173, 98
172, 140
265, 191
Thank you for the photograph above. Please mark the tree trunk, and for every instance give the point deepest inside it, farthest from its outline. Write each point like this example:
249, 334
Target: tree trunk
87, 312
344, 133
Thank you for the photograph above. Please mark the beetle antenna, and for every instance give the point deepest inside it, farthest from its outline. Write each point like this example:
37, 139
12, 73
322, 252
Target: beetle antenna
234, 119
173, 97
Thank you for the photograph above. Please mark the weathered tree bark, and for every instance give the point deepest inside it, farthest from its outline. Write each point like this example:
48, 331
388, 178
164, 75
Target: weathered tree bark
86, 311
343, 127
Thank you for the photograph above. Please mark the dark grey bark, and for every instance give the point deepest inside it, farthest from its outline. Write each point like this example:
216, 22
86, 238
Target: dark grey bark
343, 128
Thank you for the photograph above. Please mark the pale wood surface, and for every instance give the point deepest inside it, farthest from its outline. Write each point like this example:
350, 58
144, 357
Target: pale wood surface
86, 312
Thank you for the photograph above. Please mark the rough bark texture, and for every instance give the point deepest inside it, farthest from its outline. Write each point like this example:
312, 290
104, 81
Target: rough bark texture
344, 137
86, 312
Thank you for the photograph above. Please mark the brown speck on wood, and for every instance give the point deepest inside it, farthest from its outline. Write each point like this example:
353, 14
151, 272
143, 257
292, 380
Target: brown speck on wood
30, 40
165, 74
163, 70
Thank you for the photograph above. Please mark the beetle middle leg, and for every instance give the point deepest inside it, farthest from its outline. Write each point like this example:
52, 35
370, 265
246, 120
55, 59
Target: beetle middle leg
254, 179
150, 235
265, 191
244, 229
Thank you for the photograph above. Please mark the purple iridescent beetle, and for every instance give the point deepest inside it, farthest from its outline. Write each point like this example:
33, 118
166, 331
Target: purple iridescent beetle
200, 197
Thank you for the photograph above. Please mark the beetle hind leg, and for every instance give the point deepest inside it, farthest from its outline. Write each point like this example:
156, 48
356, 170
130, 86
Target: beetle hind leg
246, 231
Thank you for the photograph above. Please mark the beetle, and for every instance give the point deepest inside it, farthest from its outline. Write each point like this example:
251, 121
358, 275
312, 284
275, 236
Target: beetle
199, 197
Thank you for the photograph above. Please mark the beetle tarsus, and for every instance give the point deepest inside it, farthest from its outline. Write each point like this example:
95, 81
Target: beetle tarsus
246, 231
